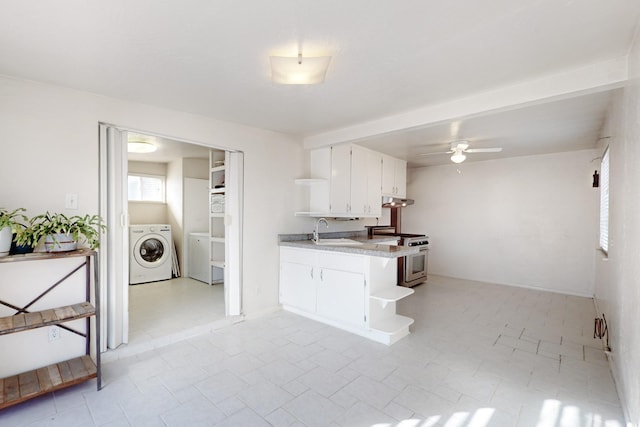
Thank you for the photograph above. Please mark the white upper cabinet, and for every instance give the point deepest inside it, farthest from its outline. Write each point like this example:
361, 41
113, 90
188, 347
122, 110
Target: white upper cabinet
394, 177
341, 180
359, 165
374, 184
353, 177
355, 181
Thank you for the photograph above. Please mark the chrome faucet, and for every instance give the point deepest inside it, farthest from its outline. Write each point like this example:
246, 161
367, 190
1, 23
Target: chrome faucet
316, 236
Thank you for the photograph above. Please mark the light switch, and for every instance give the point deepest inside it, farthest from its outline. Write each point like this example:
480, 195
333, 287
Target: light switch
71, 201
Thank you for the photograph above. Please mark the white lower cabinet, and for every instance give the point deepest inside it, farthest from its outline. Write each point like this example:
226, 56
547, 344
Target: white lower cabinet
199, 259
297, 286
340, 296
356, 293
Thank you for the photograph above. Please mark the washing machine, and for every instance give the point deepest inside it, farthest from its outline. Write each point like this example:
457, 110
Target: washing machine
150, 253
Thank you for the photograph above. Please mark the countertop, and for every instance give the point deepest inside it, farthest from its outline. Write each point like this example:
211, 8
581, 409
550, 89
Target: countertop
368, 247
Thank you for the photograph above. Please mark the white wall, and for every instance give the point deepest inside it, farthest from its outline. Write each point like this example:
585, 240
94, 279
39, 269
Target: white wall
20, 284
196, 168
524, 221
149, 168
44, 126
617, 285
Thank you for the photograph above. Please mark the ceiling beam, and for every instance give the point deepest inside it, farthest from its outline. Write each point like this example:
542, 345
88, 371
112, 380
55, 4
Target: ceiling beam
606, 75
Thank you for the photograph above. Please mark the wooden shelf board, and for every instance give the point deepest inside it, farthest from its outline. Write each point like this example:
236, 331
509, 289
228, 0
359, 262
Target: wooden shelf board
19, 388
37, 319
392, 324
34, 256
392, 294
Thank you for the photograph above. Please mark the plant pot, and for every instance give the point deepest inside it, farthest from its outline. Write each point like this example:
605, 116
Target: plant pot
6, 236
60, 242
17, 249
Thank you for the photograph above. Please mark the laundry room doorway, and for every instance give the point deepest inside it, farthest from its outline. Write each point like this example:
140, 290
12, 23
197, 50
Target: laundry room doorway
172, 260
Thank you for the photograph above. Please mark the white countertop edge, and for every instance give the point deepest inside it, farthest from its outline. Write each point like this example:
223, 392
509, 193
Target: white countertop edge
369, 249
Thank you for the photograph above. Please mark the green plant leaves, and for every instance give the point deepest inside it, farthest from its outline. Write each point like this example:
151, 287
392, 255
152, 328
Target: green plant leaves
48, 223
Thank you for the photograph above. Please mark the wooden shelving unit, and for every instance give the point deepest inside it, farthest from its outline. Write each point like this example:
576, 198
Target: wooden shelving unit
27, 385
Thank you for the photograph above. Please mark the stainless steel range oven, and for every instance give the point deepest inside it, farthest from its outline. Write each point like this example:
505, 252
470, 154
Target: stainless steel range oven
412, 269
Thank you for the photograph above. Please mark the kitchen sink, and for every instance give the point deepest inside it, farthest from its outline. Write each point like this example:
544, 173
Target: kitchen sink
337, 242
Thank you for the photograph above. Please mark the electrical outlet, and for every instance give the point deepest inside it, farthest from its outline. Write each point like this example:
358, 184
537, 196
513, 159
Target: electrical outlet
54, 333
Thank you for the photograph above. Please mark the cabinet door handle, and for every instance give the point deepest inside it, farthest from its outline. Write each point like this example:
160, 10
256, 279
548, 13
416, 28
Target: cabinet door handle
311, 272
321, 275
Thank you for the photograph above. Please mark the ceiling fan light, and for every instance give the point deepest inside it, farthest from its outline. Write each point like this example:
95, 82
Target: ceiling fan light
458, 157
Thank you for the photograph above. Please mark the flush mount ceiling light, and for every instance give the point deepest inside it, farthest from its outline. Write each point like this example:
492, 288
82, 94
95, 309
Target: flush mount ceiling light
299, 71
140, 147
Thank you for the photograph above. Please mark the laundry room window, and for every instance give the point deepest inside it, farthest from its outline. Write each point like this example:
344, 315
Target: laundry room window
147, 188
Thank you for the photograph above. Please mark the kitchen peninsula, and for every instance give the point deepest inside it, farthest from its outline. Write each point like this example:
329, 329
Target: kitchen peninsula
348, 282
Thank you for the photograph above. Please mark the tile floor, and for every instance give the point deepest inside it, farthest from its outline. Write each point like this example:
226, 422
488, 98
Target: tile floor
479, 355
158, 309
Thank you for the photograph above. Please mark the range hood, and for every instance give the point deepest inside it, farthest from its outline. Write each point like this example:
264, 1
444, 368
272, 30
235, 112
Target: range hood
395, 202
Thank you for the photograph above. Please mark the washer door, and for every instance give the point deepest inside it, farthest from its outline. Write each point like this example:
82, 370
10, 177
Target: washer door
151, 251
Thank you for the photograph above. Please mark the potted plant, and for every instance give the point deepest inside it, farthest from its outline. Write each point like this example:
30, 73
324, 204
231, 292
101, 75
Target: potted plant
61, 233
10, 222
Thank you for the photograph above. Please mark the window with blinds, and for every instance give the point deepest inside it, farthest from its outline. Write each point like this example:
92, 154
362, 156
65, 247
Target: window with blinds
147, 188
604, 202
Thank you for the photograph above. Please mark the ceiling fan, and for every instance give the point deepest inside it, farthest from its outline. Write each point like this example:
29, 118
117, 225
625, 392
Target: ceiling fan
459, 149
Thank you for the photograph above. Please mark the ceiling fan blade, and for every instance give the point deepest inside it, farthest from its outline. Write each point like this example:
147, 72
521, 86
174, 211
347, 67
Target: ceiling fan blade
434, 154
484, 150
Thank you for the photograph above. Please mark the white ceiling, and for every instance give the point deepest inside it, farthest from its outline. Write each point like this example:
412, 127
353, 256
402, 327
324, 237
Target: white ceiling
166, 149
390, 58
